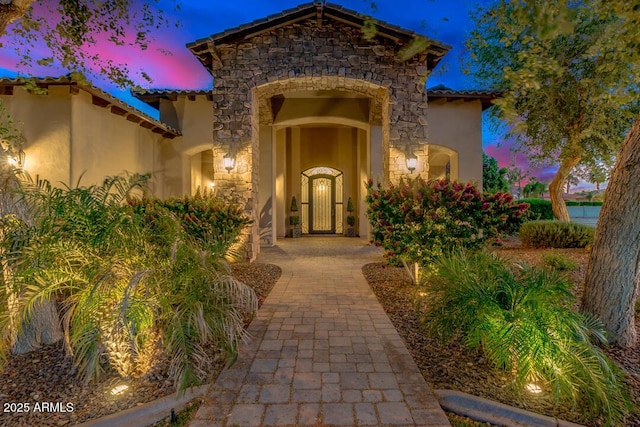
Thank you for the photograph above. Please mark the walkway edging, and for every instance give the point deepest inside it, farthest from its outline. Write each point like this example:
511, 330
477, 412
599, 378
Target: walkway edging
489, 411
149, 413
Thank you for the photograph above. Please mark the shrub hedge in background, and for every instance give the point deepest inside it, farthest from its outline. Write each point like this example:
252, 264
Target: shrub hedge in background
574, 203
539, 208
555, 234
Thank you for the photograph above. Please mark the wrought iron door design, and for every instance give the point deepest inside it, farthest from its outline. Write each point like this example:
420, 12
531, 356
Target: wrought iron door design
321, 201
321, 204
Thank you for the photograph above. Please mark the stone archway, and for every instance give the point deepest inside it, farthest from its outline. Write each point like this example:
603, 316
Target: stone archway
248, 144
251, 83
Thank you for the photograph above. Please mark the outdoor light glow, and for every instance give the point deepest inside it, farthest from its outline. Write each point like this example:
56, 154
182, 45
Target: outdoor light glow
229, 163
119, 389
533, 388
17, 161
412, 162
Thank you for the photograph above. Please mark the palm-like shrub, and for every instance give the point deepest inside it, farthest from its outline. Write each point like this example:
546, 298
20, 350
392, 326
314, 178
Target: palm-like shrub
121, 285
521, 319
558, 262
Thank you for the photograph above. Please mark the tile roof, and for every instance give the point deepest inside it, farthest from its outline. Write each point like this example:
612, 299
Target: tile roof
448, 94
99, 97
153, 96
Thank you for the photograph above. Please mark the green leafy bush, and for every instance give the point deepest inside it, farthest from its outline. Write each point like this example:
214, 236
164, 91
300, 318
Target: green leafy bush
558, 262
213, 223
126, 276
521, 319
556, 234
417, 221
539, 208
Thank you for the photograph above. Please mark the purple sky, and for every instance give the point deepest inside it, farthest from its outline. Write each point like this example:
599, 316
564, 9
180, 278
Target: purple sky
171, 65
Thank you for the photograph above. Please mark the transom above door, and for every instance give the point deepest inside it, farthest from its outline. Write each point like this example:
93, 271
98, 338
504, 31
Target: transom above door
322, 200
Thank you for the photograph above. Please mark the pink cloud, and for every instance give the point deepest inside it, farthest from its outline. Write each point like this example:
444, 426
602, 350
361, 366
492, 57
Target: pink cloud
503, 152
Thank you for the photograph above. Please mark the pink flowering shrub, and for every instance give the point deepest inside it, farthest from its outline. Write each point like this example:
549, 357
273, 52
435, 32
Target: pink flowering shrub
416, 221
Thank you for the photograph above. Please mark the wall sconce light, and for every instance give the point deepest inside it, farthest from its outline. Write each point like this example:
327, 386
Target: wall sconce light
17, 161
412, 162
229, 163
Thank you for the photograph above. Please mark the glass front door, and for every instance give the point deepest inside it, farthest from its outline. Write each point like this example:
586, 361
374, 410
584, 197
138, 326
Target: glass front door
321, 199
321, 204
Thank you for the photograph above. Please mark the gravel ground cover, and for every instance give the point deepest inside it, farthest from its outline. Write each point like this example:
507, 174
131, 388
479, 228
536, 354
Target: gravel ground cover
452, 366
45, 376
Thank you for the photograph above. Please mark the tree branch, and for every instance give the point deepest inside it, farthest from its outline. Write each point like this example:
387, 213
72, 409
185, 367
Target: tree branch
11, 11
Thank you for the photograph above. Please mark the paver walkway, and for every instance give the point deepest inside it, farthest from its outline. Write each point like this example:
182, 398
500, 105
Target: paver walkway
324, 351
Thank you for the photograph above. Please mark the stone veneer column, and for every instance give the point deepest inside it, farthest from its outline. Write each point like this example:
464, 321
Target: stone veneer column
236, 133
407, 132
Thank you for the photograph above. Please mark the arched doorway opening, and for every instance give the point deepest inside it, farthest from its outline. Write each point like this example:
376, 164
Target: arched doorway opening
443, 163
200, 170
322, 200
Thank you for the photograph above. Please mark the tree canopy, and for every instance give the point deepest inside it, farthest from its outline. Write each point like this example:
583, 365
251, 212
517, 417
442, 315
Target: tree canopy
569, 87
534, 188
72, 31
493, 176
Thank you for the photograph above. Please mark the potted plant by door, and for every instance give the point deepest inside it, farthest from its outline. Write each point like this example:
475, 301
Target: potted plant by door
294, 219
351, 219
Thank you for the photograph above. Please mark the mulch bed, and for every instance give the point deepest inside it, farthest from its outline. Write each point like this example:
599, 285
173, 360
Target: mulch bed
452, 366
46, 375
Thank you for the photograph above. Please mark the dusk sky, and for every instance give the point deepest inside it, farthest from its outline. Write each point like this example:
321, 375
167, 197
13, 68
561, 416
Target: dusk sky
171, 65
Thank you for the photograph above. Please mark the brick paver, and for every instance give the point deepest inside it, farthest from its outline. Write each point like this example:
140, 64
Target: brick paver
323, 350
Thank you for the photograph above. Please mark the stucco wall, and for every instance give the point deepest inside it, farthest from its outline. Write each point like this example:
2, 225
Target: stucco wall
332, 147
302, 108
173, 158
105, 144
44, 122
67, 137
458, 126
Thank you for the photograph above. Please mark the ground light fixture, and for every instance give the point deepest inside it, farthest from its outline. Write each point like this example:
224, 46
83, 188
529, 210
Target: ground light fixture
17, 161
229, 162
119, 389
533, 388
412, 162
